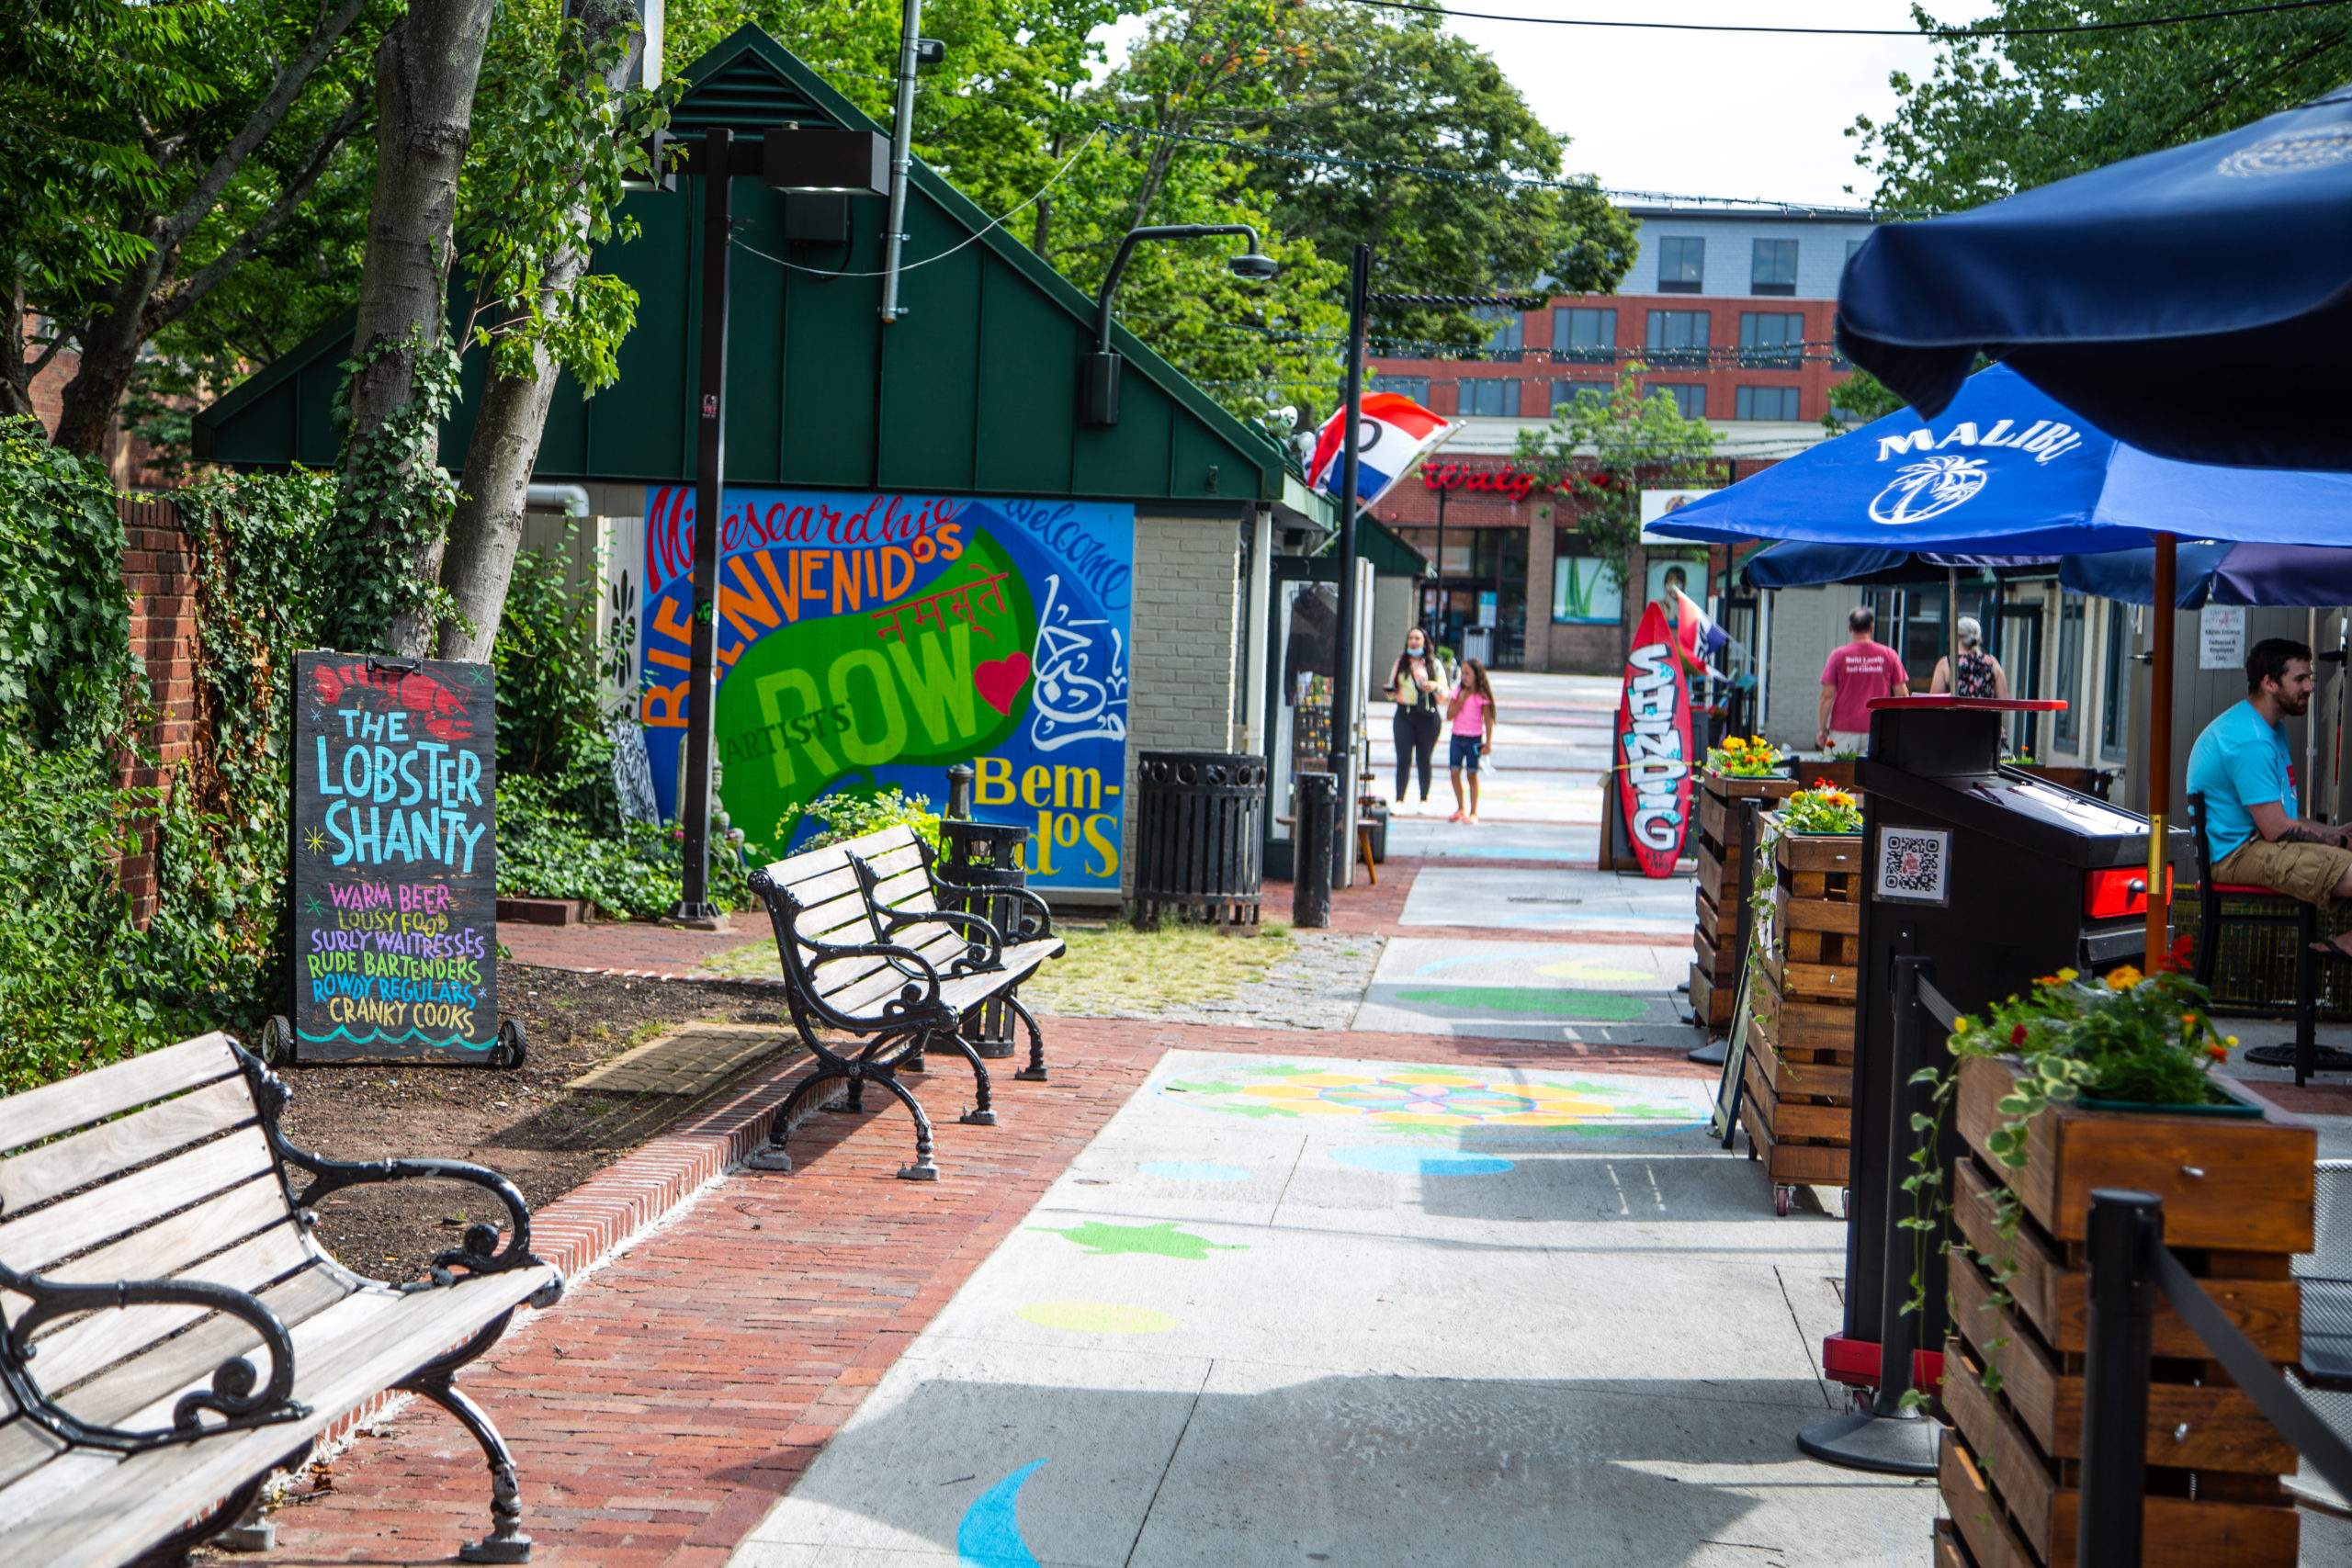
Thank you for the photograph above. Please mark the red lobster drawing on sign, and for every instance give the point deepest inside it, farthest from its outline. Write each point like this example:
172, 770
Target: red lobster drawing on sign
441, 710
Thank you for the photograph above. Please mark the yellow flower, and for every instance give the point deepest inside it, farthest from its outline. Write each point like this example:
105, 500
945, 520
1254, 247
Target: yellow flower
2123, 979
2068, 976
1735, 744
2229, 1039
1961, 1026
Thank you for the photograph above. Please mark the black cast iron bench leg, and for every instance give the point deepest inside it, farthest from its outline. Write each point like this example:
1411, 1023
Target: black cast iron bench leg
1035, 1071
981, 1115
437, 1382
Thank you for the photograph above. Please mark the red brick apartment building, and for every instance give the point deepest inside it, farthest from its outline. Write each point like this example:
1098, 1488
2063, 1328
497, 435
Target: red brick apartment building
1729, 312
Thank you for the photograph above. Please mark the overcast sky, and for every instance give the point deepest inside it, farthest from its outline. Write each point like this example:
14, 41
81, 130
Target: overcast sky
1710, 114
1705, 114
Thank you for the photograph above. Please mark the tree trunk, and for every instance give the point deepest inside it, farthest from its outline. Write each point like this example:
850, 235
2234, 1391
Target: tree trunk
487, 529
109, 358
426, 71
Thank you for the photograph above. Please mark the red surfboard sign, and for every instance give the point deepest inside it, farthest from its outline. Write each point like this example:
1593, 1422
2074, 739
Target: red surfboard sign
1654, 772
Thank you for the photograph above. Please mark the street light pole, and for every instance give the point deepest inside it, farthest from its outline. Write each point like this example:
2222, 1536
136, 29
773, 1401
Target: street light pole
1343, 679
717, 157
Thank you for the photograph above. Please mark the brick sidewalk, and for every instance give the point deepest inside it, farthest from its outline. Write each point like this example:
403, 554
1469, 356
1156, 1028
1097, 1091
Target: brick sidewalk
660, 1410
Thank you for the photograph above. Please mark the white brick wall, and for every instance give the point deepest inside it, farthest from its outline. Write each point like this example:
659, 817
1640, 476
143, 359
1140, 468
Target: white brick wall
1185, 626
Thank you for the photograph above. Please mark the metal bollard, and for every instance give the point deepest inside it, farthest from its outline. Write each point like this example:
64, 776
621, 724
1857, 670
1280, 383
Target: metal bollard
1311, 889
1888, 1439
2126, 1228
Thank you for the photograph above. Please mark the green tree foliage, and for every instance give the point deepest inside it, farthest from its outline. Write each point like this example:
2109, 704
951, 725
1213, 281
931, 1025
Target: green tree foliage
151, 154
1598, 453
1993, 117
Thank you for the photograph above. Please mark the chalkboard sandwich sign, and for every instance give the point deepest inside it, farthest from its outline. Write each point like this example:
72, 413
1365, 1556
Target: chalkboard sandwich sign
395, 864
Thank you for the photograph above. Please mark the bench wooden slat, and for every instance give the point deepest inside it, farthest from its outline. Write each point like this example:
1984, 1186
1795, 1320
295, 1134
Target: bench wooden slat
80, 1346
878, 980
93, 1096
1019, 963
169, 1246
37, 1175
818, 919
92, 1509
131, 1202
23, 1447
898, 839
816, 889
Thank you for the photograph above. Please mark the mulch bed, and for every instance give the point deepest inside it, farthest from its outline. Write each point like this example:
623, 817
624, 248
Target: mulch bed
523, 1124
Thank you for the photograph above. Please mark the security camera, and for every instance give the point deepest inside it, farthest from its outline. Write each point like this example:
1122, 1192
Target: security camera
1255, 266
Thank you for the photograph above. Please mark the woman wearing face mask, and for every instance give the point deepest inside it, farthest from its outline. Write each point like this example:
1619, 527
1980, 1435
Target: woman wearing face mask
1417, 685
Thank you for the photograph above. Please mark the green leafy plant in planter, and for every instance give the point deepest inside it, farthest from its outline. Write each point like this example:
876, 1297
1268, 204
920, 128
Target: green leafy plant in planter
1823, 808
2125, 1040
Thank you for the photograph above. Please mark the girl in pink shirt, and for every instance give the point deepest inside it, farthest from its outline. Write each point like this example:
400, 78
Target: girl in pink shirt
1472, 710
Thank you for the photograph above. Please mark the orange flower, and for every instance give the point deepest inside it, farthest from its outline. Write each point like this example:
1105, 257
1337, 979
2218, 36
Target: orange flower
2218, 1051
2123, 977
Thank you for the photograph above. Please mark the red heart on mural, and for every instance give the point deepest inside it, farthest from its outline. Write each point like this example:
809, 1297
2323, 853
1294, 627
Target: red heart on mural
1000, 680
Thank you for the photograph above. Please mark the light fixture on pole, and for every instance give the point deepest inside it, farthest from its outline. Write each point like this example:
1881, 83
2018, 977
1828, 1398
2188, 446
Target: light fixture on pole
811, 160
1099, 378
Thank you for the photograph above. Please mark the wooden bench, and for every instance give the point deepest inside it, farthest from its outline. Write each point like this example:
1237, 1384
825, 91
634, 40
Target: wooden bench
171, 1333
874, 947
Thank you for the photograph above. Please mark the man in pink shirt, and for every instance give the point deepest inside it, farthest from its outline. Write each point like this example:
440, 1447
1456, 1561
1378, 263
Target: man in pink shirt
1859, 671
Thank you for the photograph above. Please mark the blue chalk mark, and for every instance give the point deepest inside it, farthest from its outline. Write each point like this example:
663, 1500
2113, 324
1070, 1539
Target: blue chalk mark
990, 1536
1194, 1171
1410, 1162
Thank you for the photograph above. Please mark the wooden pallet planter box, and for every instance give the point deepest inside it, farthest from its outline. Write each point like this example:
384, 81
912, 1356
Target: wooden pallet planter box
1797, 1092
1709, 1001
1717, 957
2237, 1194
1717, 848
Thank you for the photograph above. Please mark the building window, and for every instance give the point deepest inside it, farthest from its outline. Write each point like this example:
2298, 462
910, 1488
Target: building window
1765, 402
1414, 387
1566, 392
1689, 401
1771, 340
1584, 590
2115, 700
2066, 733
1774, 268
1682, 264
1583, 335
1677, 337
1510, 327
1489, 397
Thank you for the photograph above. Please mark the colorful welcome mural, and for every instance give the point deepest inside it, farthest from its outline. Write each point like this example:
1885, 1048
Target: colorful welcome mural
871, 640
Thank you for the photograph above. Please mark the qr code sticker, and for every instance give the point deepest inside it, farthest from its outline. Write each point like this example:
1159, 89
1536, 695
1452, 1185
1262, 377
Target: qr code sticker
1911, 864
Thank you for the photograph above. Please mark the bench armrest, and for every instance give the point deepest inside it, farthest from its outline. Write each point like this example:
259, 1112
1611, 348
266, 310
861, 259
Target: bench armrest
239, 1395
920, 993
983, 948
1037, 923
478, 1252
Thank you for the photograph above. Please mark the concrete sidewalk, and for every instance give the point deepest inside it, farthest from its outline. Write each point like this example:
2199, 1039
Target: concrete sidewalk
1368, 1313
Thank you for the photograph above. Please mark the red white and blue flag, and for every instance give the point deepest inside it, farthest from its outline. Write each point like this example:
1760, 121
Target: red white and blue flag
1395, 430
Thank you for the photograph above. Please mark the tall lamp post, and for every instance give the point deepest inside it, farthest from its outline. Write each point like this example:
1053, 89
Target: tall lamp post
794, 159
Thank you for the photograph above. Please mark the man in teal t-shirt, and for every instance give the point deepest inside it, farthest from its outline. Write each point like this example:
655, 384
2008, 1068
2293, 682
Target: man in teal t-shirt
2242, 768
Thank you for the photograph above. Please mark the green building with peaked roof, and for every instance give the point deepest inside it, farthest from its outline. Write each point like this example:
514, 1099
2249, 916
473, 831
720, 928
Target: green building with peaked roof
967, 406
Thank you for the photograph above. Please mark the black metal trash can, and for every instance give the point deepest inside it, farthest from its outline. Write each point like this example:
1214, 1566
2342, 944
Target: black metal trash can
984, 855
1200, 836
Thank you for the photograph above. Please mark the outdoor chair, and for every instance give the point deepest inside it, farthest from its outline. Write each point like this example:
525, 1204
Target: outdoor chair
2238, 904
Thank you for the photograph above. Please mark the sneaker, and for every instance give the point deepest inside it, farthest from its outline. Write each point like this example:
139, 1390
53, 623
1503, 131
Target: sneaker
1455, 818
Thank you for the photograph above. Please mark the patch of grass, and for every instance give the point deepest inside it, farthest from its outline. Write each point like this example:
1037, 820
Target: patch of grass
1109, 967
1121, 968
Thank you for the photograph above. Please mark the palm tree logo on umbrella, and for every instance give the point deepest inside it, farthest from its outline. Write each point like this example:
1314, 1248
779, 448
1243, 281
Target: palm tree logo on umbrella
1927, 489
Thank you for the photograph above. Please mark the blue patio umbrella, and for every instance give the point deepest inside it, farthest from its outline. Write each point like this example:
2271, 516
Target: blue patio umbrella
2006, 470
2131, 293
2277, 575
